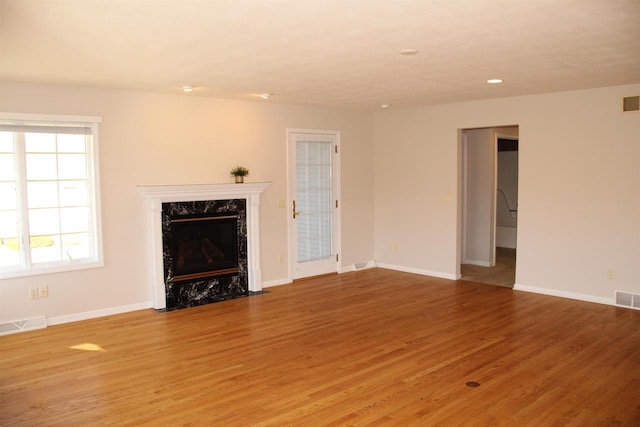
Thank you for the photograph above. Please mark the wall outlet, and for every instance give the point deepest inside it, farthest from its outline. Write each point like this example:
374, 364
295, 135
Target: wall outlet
611, 273
281, 259
44, 291
33, 293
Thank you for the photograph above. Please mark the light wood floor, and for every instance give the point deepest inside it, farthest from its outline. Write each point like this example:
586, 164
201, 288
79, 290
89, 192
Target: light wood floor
369, 347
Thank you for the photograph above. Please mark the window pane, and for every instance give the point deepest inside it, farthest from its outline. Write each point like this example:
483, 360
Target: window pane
8, 197
9, 252
47, 183
76, 246
44, 221
8, 224
314, 198
74, 220
71, 166
73, 193
45, 249
42, 194
41, 166
71, 143
6, 142
40, 142
7, 167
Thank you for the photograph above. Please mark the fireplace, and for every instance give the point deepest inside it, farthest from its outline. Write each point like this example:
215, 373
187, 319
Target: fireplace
204, 246
204, 243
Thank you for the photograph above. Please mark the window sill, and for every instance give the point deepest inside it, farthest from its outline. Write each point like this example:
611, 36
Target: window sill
49, 269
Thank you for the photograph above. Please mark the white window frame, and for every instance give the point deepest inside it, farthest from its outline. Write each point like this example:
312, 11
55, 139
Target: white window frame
93, 180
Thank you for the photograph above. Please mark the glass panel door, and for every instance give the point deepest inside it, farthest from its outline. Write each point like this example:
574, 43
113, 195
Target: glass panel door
313, 183
313, 214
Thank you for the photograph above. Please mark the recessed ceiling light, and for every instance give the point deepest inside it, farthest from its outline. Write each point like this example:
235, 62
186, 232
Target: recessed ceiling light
494, 81
265, 95
385, 106
408, 52
187, 88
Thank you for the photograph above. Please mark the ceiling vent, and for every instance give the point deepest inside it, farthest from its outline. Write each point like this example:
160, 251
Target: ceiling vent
627, 299
631, 103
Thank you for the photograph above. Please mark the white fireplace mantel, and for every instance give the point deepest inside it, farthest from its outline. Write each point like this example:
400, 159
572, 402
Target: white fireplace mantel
156, 195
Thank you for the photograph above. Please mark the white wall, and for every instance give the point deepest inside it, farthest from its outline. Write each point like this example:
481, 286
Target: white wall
579, 188
479, 180
148, 138
579, 185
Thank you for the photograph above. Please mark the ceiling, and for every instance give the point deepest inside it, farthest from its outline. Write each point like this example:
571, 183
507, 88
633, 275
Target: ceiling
332, 53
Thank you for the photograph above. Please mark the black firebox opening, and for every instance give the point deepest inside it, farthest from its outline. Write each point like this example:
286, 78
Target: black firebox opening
204, 246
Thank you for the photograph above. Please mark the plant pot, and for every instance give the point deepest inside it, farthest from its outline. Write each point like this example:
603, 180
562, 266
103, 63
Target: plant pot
239, 179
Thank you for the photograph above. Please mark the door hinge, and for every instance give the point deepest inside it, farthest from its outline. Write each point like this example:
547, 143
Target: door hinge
337, 258
336, 203
335, 147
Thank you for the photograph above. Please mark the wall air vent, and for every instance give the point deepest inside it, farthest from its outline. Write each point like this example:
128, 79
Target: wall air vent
631, 103
628, 299
26, 325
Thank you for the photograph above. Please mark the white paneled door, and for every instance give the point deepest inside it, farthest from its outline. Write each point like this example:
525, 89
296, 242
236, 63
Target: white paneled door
313, 202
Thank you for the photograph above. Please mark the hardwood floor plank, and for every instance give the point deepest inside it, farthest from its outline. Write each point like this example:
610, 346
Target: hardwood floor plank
374, 347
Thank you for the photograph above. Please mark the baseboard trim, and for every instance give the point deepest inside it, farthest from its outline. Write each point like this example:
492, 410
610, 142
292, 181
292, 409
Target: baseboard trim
422, 272
343, 269
59, 320
277, 282
563, 294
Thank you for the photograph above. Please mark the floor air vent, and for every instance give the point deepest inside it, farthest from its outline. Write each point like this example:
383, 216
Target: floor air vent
363, 265
630, 103
23, 325
627, 299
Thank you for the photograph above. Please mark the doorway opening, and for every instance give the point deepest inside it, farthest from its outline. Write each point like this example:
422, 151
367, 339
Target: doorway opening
488, 175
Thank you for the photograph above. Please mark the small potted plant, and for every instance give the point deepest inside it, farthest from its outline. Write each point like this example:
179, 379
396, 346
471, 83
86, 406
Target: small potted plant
239, 173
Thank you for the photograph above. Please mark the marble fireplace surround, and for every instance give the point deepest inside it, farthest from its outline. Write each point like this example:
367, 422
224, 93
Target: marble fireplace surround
156, 195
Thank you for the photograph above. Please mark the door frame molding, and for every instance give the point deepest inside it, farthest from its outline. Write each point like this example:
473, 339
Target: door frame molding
462, 164
337, 232
464, 147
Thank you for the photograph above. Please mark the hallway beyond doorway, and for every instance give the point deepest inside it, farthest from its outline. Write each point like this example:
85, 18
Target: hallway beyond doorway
502, 274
